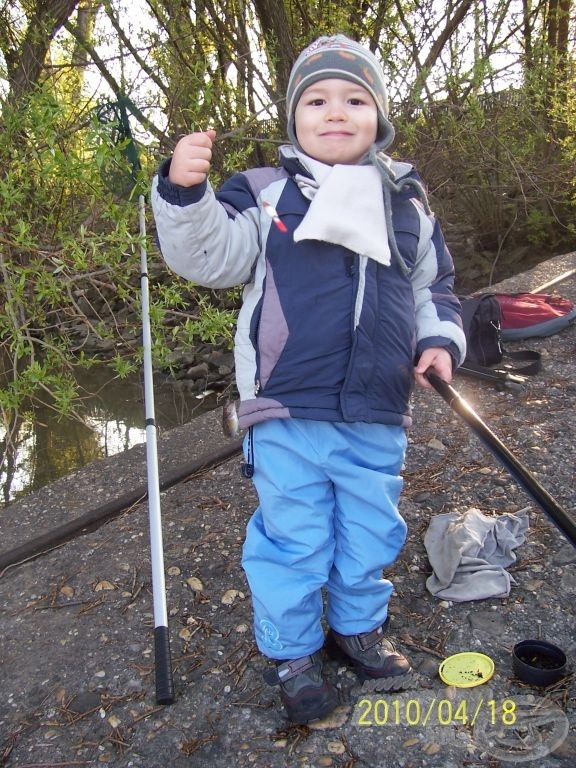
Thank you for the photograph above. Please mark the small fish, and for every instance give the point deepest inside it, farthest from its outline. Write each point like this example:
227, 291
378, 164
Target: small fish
230, 418
273, 213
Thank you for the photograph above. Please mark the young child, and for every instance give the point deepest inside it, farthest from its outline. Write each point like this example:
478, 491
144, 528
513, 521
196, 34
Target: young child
347, 300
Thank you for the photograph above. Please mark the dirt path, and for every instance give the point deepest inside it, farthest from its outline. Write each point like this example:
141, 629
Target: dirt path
76, 637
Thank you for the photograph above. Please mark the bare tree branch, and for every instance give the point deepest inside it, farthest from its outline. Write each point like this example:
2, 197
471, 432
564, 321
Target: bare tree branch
113, 84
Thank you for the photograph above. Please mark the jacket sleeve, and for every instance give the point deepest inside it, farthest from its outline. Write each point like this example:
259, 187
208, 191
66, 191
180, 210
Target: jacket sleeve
209, 239
438, 311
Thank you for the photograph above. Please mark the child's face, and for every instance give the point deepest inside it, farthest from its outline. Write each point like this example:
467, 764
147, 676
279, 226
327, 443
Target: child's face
336, 121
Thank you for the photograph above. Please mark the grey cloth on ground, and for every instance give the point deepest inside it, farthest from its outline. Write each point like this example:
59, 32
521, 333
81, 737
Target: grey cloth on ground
469, 553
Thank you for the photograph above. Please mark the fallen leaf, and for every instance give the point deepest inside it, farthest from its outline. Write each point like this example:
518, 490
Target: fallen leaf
174, 571
230, 595
67, 591
195, 584
103, 585
114, 721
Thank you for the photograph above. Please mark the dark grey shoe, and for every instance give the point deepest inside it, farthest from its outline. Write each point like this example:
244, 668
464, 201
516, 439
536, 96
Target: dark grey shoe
371, 654
305, 693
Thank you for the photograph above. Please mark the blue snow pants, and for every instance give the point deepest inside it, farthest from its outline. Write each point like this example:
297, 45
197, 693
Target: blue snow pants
327, 518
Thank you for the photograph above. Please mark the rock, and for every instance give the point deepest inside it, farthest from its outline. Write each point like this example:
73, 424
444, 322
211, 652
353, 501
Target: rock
335, 719
429, 667
196, 372
568, 579
565, 555
492, 622
84, 702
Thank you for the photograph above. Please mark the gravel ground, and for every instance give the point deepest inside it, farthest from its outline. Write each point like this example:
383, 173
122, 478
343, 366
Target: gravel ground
76, 627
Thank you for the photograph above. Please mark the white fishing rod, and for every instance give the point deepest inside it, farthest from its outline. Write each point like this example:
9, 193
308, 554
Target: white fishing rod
115, 115
162, 656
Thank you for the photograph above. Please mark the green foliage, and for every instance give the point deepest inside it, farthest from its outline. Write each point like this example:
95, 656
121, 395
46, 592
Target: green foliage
214, 325
562, 114
70, 264
498, 170
68, 247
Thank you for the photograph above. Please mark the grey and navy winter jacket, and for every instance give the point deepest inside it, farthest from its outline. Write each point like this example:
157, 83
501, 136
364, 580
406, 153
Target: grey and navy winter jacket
323, 333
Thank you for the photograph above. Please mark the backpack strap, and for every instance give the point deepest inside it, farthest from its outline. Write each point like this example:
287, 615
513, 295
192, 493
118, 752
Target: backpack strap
505, 377
523, 355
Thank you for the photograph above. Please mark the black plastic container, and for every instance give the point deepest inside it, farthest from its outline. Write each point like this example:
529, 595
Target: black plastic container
538, 662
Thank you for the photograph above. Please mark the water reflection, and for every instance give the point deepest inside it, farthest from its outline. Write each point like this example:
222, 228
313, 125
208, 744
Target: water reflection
44, 447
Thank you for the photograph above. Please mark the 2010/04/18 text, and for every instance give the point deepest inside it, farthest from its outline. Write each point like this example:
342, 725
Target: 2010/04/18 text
412, 712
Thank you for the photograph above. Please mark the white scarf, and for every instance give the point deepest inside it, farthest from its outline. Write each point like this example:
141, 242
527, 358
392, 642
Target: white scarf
347, 207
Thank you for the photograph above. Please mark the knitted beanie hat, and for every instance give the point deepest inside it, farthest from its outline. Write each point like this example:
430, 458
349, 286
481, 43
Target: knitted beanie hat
340, 57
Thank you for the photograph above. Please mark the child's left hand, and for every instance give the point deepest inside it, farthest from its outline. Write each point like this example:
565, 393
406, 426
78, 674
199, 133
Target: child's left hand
437, 359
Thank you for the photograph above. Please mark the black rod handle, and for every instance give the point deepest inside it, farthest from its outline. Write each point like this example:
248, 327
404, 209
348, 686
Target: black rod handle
163, 664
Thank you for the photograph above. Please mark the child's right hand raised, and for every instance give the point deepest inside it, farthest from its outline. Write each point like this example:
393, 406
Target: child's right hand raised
191, 159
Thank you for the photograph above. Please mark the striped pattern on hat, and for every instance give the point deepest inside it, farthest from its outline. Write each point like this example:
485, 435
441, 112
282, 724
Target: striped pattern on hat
340, 57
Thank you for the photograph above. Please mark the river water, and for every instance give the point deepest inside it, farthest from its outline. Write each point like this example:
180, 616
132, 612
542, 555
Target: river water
44, 447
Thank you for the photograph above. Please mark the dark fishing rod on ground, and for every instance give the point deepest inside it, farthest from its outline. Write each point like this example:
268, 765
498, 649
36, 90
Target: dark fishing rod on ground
128, 183
519, 472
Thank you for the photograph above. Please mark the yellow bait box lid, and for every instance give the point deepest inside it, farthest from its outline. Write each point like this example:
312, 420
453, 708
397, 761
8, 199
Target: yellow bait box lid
466, 670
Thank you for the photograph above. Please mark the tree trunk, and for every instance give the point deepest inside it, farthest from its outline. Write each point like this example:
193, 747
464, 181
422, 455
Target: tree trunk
557, 36
280, 50
25, 64
85, 26
527, 37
